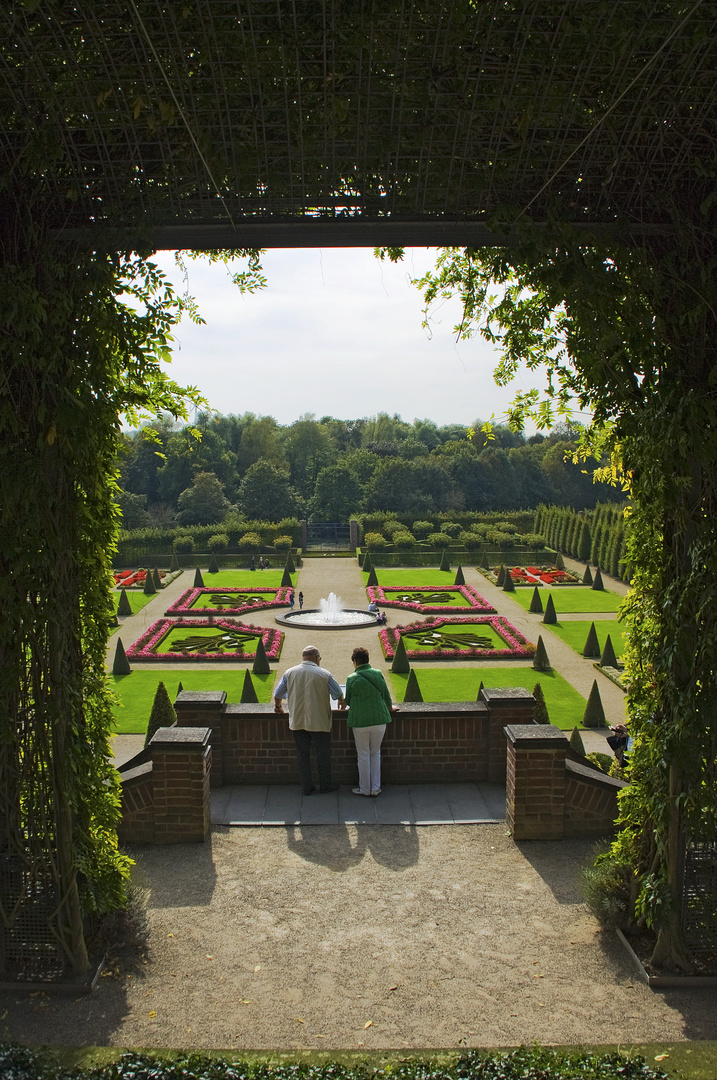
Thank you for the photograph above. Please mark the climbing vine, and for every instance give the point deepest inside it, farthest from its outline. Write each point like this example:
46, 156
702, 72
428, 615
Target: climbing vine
84, 340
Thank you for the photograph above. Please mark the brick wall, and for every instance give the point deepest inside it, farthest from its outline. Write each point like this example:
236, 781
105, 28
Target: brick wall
549, 795
425, 743
165, 789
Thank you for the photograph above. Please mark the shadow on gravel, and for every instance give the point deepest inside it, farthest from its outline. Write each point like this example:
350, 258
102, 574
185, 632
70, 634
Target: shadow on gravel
191, 884
558, 862
393, 846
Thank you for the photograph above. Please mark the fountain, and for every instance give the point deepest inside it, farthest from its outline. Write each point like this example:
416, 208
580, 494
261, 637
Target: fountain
330, 615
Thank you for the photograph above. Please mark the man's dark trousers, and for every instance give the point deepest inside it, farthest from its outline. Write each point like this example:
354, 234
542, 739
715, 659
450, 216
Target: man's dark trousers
322, 742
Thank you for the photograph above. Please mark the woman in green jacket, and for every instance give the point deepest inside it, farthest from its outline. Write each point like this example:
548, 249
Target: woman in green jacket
370, 709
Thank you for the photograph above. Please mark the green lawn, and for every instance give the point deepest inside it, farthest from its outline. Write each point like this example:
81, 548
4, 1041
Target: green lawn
569, 598
565, 705
137, 600
575, 634
430, 599
136, 691
457, 635
413, 577
209, 599
219, 640
240, 579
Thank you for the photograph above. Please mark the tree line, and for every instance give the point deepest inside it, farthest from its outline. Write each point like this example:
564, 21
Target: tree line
332, 469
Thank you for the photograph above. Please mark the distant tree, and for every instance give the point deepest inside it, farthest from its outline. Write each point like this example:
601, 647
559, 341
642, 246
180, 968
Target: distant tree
203, 503
337, 494
266, 494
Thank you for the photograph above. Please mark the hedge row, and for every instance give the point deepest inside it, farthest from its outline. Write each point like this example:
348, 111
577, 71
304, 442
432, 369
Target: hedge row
522, 520
142, 544
593, 536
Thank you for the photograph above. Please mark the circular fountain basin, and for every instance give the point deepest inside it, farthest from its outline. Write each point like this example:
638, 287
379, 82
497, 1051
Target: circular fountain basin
316, 619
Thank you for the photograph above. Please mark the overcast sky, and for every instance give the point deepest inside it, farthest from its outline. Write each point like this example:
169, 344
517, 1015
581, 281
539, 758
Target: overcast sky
335, 332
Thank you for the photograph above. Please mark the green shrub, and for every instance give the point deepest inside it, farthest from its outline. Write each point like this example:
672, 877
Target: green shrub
460, 577
604, 885
162, 714
421, 529
452, 528
123, 608
250, 541
550, 617
536, 604
183, 545
541, 662
603, 761
261, 664
591, 648
400, 665
413, 690
534, 541
404, 541
505, 526
218, 542
213, 567
470, 541
283, 543
374, 541
120, 665
576, 742
438, 540
540, 709
393, 526
608, 658
594, 715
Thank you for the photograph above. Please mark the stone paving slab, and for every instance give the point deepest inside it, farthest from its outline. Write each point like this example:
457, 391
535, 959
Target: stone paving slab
401, 804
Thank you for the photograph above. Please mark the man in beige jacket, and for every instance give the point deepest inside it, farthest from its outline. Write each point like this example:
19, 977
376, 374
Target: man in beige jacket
309, 689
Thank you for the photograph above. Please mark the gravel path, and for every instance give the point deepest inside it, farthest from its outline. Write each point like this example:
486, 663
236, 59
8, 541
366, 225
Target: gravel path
354, 936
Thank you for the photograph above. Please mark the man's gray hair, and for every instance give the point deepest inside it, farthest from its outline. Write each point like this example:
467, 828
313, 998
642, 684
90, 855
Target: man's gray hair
310, 650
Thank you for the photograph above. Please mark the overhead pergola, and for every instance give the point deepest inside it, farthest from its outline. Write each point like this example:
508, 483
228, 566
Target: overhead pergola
247, 123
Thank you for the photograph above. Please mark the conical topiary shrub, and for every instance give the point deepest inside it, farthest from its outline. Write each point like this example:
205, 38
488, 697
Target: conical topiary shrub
413, 690
559, 562
162, 714
400, 665
594, 715
444, 565
459, 579
261, 664
540, 709
508, 583
608, 658
180, 688
213, 564
500, 580
114, 621
536, 604
198, 579
248, 693
576, 743
597, 583
587, 576
156, 578
149, 587
484, 561
124, 607
366, 567
174, 564
120, 664
289, 564
540, 657
479, 690
550, 617
372, 579
286, 578
591, 648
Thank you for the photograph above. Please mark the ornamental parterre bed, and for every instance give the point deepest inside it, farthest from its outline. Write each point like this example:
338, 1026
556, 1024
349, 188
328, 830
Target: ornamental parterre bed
452, 645
535, 575
215, 640
231, 601
426, 599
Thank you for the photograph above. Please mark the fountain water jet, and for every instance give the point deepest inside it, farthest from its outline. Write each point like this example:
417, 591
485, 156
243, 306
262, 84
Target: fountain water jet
330, 615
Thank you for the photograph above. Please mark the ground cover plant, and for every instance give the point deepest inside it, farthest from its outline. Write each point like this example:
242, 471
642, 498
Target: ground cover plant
524, 1063
565, 705
135, 692
428, 599
568, 599
413, 578
200, 639
575, 633
457, 638
228, 601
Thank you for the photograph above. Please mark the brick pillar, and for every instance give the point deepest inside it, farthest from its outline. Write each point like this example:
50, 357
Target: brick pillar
205, 710
513, 706
535, 781
181, 767
304, 534
353, 534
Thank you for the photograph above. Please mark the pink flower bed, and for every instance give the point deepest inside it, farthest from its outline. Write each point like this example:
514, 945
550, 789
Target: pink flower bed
146, 647
274, 598
517, 647
387, 596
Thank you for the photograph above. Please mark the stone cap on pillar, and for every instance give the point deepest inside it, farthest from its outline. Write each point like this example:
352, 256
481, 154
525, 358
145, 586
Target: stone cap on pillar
502, 699
180, 738
201, 699
536, 736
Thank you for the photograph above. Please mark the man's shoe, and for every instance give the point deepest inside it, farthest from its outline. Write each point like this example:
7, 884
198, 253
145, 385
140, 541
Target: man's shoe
375, 793
358, 791
331, 787
308, 791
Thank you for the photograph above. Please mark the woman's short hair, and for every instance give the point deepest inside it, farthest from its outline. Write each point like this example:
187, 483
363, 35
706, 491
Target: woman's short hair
359, 655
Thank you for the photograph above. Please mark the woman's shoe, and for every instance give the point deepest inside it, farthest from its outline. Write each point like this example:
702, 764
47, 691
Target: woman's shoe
375, 793
358, 791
